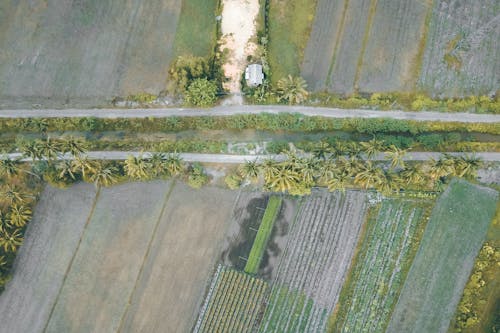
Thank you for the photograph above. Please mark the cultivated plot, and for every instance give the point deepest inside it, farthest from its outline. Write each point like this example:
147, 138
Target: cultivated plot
462, 56
84, 53
50, 241
316, 260
452, 239
179, 265
379, 271
98, 286
233, 303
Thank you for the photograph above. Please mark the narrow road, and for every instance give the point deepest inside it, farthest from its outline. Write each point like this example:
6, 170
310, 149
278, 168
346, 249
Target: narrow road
238, 159
252, 109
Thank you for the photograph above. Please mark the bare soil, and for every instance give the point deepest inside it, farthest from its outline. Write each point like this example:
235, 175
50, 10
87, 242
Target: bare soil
41, 264
83, 53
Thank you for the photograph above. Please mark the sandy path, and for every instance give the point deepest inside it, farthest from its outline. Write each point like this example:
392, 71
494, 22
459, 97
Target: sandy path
238, 26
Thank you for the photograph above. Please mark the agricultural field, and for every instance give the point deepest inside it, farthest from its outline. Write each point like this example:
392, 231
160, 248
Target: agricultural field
388, 246
95, 267
462, 56
67, 53
358, 45
452, 239
315, 262
233, 302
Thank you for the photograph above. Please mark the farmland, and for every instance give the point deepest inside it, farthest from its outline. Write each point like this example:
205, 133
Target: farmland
66, 53
462, 55
97, 269
378, 275
315, 262
233, 303
451, 241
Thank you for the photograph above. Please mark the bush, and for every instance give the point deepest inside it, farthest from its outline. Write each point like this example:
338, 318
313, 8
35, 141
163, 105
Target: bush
201, 92
185, 70
196, 176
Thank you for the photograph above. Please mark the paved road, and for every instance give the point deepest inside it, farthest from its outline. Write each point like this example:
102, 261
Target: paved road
251, 109
238, 159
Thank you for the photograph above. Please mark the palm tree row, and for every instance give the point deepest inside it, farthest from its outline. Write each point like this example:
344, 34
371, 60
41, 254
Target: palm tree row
298, 175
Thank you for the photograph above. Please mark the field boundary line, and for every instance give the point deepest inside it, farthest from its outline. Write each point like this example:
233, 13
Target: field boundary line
338, 41
146, 255
366, 37
89, 218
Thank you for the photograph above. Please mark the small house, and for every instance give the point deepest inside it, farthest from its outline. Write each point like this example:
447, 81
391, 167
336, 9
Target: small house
254, 75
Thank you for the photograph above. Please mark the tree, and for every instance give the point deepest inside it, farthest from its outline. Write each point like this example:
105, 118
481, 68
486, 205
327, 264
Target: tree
467, 166
9, 167
196, 176
412, 174
19, 215
369, 176
83, 165
396, 155
292, 90
372, 148
12, 195
137, 167
103, 176
338, 182
157, 163
320, 149
30, 149
283, 179
73, 146
185, 70
249, 170
10, 240
174, 164
201, 92
233, 181
389, 182
65, 170
442, 167
49, 148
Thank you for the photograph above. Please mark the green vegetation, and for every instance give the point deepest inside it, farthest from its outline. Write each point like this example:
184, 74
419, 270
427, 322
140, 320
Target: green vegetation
265, 229
450, 243
290, 23
201, 92
197, 28
380, 268
233, 303
291, 90
478, 309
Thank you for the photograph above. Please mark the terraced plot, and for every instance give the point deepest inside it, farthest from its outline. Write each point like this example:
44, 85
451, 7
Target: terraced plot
233, 302
316, 260
451, 242
378, 274
462, 56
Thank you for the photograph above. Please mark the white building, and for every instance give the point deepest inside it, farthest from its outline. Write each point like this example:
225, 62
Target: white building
254, 75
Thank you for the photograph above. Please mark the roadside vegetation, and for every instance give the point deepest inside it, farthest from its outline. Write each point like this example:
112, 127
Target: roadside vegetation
263, 234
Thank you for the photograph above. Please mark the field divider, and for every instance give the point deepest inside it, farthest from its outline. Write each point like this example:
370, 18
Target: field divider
146, 255
94, 203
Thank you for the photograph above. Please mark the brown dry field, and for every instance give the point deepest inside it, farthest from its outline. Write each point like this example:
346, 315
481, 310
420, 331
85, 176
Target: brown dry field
141, 264
63, 52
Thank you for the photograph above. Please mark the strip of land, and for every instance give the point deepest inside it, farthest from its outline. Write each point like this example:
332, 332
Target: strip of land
250, 109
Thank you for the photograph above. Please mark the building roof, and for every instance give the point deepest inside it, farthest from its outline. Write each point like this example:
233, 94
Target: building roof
254, 75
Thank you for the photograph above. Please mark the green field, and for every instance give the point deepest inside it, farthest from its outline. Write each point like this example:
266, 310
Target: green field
263, 234
289, 26
197, 29
233, 302
387, 248
451, 241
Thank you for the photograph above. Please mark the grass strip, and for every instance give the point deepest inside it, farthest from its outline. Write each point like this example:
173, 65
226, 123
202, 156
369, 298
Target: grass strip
260, 243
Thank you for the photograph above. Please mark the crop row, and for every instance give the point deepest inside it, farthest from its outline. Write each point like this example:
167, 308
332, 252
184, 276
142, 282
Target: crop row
233, 303
378, 273
316, 259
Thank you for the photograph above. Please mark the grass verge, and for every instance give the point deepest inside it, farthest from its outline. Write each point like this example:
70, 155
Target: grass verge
265, 229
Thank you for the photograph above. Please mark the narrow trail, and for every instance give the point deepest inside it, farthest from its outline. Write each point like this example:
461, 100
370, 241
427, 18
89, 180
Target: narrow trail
251, 109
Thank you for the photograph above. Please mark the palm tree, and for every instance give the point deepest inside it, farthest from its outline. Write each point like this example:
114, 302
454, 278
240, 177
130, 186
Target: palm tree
283, 180
396, 155
73, 146
49, 148
340, 148
372, 148
351, 166
65, 170
103, 176
412, 174
369, 176
292, 90
325, 172
157, 164
31, 149
137, 167
269, 168
467, 166
12, 195
320, 149
83, 165
338, 182
9, 167
250, 170
19, 215
308, 169
353, 149
174, 164
389, 182
10, 239
443, 167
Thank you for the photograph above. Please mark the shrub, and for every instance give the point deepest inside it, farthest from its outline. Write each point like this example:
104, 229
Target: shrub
201, 92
